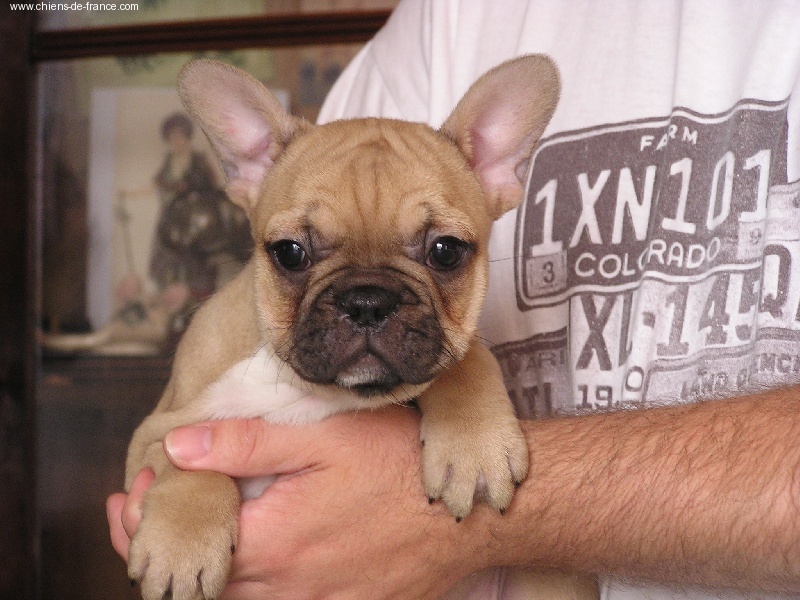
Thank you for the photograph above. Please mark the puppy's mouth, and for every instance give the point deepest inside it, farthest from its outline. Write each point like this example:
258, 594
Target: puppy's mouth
369, 375
368, 335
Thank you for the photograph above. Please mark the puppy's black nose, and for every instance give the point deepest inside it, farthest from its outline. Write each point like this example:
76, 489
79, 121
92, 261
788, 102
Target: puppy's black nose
368, 306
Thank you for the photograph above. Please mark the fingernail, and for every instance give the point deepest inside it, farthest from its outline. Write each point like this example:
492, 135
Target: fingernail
188, 444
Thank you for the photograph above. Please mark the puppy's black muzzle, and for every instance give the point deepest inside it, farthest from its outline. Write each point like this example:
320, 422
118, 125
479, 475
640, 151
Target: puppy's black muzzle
368, 331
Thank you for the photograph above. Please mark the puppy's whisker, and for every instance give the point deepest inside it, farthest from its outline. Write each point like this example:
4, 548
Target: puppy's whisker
450, 354
503, 259
485, 341
282, 363
253, 357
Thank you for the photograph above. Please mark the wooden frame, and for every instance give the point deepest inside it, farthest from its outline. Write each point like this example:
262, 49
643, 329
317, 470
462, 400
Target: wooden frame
228, 34
18, 283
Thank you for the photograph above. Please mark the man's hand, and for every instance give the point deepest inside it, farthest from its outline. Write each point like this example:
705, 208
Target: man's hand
702, 494
347, 518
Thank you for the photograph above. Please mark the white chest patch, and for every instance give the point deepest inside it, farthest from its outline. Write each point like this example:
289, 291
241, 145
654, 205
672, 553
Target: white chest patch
263, 386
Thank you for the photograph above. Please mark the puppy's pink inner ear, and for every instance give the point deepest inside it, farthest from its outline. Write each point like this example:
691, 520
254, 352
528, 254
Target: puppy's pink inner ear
246, 151
500, 159
498, 122
244, 175
245, 124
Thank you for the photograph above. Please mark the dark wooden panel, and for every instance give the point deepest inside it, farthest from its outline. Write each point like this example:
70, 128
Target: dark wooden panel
17, 358
219, 34
87, 411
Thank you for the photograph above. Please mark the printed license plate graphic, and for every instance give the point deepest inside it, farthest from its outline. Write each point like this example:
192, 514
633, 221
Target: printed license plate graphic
666, 342
674, 245
673, 198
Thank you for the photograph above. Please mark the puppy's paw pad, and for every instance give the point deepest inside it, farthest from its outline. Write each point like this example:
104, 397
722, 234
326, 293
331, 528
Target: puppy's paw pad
485, 462
180, 565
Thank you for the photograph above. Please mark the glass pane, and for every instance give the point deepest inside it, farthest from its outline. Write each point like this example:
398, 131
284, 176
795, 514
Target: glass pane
71, 15
116, 293
109, 174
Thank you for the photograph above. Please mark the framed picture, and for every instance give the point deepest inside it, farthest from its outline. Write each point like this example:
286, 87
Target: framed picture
154, 234
162, 233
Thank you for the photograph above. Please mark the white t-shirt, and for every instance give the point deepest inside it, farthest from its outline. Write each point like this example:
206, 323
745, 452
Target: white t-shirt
656, 257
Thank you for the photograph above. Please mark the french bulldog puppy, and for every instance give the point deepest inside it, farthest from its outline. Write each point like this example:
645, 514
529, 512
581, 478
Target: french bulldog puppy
364, 289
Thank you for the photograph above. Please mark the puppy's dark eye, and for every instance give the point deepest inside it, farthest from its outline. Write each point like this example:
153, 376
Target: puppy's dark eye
290, 255
446, 253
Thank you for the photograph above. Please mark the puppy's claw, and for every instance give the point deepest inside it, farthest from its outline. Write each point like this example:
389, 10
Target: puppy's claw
185, 559
486, 461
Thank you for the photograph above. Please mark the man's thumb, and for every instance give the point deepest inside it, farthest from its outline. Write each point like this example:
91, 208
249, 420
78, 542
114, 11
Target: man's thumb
238, 448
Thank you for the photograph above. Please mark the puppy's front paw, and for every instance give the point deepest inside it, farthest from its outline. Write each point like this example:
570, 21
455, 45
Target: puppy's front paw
484, 457
182, 548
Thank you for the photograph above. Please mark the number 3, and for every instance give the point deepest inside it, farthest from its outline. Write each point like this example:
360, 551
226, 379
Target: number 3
549, 274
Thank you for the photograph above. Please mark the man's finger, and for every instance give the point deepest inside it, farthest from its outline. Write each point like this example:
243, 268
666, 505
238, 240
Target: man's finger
124, 511
132, 510
253, 447
239, 448
119, 537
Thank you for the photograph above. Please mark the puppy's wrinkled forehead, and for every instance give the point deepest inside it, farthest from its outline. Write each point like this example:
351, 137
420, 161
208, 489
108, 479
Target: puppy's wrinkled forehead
389, 180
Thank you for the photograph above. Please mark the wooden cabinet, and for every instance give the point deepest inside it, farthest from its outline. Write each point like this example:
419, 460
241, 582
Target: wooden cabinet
65, 421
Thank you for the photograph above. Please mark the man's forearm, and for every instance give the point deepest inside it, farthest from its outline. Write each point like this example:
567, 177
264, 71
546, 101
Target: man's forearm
705, 493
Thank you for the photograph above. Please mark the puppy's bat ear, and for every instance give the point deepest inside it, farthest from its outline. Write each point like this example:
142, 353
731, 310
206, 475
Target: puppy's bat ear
498, 122
244, 122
